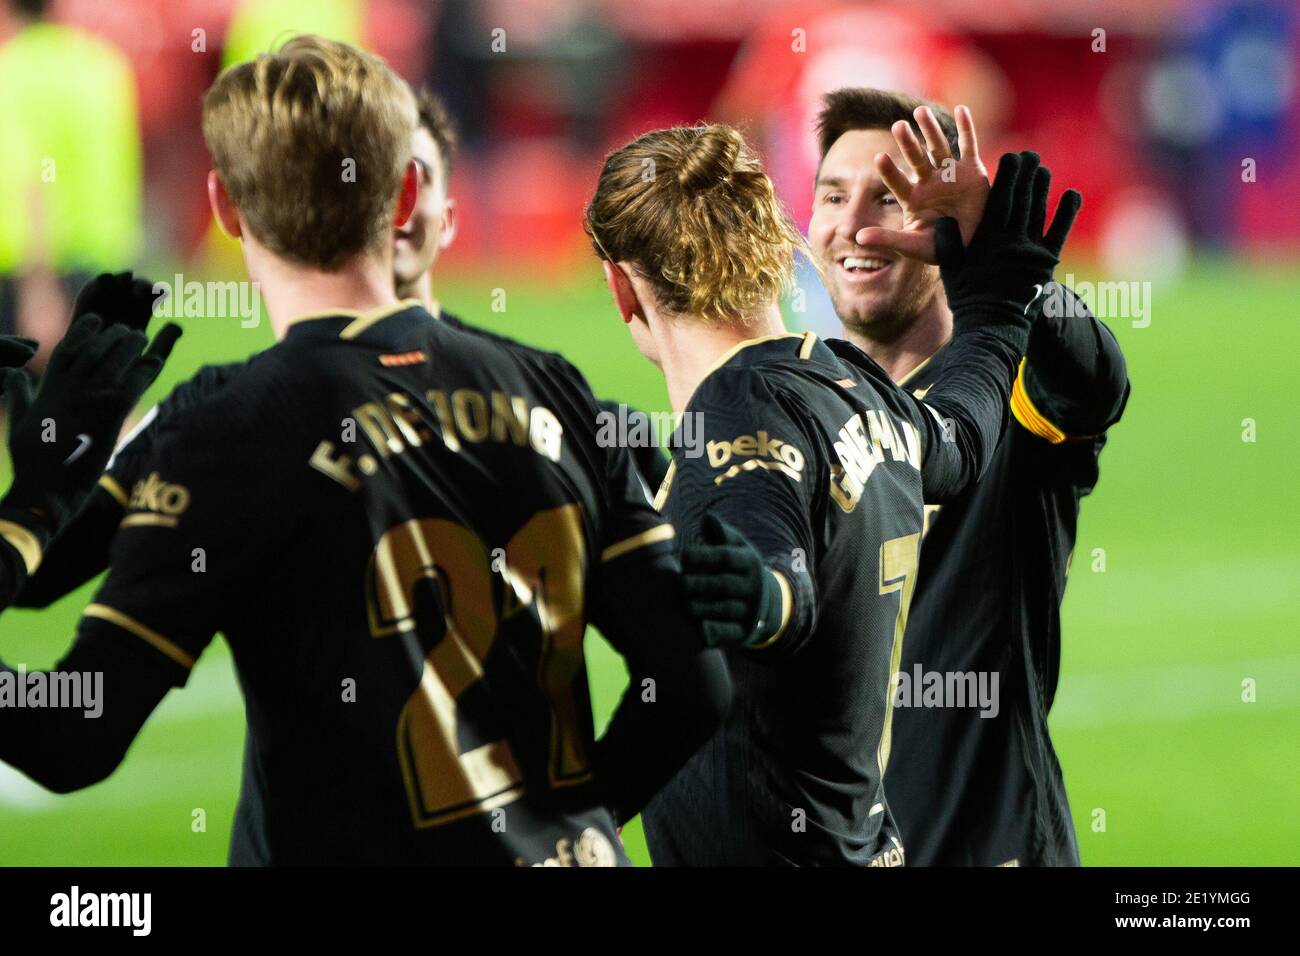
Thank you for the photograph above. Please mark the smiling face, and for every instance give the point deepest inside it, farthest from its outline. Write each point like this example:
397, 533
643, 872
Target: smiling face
875, 293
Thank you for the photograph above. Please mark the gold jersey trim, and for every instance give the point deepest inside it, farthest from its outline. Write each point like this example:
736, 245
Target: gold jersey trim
661, 496
787, 607
363, 322
109, 484
662, 532
127, 623
143, 520
915, 372
809, 340
369, 318
24, 542
731, 352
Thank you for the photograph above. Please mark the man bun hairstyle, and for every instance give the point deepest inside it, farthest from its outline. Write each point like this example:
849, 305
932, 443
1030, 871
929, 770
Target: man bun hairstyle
693, 210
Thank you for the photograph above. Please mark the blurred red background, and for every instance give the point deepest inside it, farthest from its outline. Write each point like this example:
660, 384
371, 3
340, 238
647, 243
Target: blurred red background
1151, 119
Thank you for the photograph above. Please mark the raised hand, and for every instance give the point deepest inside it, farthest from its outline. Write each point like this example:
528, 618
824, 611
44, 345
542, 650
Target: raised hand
941, 185
1010, 257
61, 439
119, 299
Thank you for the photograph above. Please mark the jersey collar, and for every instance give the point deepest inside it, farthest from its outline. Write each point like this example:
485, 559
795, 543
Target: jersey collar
785, 345
376, 326
925, 374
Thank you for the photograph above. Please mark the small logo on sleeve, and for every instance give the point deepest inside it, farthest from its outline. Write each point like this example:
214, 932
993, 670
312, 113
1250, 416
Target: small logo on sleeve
403, 358
83, 442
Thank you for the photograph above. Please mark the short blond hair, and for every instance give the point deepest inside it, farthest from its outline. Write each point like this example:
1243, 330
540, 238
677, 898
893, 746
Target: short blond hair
311, 143
693, 209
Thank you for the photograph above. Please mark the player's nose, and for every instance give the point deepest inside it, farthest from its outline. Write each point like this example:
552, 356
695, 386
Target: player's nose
859, 213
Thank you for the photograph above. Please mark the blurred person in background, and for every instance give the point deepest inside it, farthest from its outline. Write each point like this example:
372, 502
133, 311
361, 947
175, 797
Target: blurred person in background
968, 786
257, 25
70, 169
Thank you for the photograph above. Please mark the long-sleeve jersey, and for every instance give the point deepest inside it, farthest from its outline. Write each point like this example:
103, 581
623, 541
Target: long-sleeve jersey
23, 540
80, 551
975, 779
811, 451
363, 469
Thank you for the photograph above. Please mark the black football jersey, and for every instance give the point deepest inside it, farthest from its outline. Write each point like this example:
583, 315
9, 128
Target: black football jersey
819, 459
976, 781
298, 508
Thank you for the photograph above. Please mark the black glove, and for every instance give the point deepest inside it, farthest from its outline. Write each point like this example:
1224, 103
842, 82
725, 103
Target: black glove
61, 440
16, 350
728, 587
1009, 259
120, 299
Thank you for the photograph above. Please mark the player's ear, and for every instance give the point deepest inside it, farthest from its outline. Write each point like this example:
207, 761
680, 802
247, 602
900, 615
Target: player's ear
450, 222
223, 207
620, 287
407, 196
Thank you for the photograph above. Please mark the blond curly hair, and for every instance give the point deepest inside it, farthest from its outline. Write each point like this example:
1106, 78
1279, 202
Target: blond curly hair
692, 209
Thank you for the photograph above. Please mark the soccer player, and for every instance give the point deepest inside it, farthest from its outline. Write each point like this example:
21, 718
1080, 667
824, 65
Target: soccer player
968, 787
81, 550
402, 531
433, 223
431, 229
820, 460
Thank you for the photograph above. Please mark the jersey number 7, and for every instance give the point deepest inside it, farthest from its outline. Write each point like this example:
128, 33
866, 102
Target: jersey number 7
898, 561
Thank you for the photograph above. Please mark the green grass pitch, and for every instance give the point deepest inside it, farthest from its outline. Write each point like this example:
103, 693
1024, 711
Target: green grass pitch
1164, 760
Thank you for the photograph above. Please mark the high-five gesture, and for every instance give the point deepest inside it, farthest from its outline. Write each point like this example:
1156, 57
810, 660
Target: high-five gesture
1013, 251
940, 185
61, 438
119, 298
